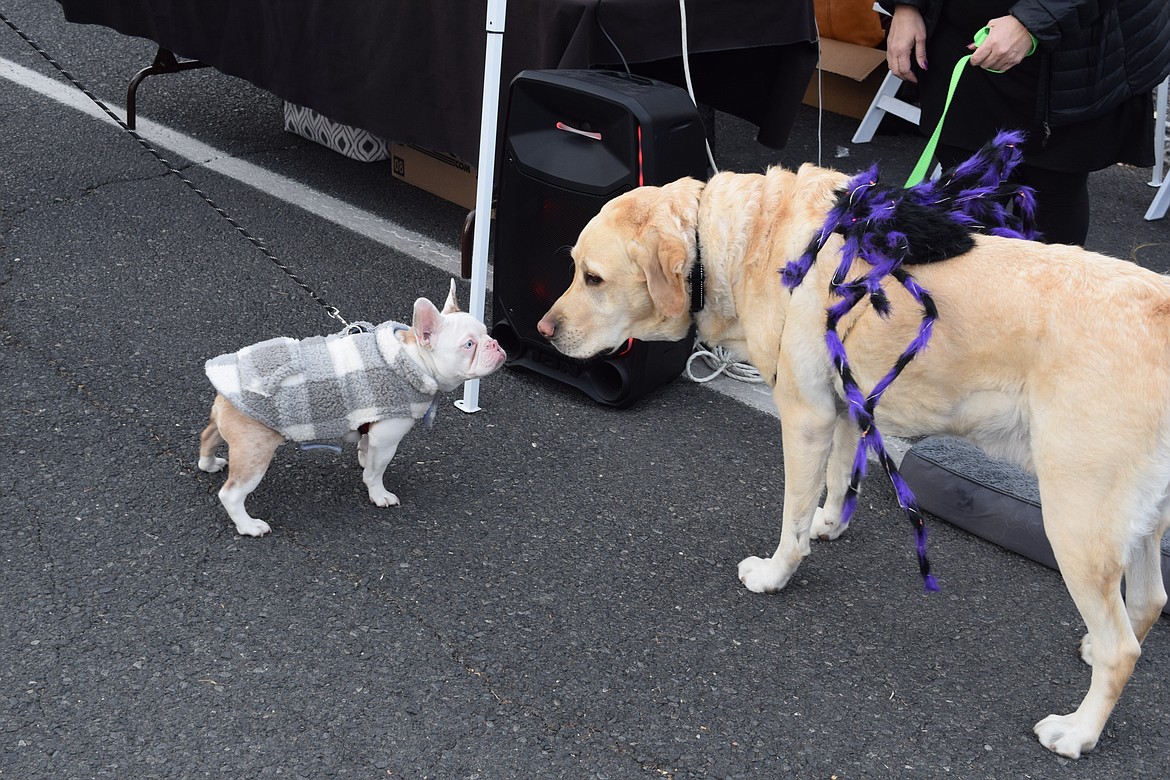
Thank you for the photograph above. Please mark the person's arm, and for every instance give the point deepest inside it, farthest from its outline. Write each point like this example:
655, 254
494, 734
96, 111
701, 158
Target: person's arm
1051, 20
1032, 25
906, 41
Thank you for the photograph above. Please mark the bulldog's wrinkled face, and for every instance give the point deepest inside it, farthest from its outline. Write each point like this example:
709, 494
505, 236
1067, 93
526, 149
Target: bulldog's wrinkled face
629, 278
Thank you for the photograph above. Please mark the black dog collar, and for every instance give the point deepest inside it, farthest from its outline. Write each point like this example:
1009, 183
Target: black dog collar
697, 280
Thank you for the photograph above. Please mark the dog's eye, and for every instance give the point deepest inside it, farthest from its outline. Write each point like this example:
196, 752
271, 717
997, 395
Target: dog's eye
592, 279
470, 344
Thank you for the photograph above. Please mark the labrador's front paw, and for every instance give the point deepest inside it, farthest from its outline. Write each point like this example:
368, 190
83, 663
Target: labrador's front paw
763, 575
1066, 735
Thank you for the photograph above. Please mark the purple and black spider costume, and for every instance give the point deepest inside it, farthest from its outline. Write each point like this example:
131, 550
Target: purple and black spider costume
889, 228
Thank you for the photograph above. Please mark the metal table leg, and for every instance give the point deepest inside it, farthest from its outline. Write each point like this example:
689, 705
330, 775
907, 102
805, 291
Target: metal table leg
164, 62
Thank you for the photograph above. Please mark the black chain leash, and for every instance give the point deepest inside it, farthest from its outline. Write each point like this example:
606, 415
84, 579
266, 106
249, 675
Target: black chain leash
330, 310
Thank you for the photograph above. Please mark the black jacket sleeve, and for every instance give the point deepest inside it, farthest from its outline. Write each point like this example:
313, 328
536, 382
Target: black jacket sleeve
1050, 21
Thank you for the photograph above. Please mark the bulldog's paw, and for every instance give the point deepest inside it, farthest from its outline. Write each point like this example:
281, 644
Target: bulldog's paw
211, 464
383, 497
826, 524
250, 526
1066, 735
763, 575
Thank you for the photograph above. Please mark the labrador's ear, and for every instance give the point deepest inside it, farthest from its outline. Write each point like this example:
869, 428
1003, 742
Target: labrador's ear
665, 245
663, 258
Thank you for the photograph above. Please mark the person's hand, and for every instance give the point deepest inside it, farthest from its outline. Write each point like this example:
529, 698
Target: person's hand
906, 42
1008, 42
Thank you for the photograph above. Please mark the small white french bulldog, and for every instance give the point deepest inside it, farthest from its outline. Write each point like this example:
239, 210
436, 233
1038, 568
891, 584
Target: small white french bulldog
370, 387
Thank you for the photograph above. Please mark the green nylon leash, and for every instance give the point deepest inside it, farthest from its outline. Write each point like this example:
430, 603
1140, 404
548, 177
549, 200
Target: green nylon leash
919, 172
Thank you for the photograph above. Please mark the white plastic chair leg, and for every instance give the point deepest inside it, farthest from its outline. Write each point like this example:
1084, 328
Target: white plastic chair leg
885, 102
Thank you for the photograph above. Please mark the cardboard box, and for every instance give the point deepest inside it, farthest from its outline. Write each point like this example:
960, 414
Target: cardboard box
438, 173
850, 74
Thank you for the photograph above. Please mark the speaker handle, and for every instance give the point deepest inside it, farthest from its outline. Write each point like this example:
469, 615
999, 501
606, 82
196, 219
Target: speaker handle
585, 133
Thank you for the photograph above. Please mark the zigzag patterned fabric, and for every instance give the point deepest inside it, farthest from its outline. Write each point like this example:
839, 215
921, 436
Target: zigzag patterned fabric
353, 142
888, 228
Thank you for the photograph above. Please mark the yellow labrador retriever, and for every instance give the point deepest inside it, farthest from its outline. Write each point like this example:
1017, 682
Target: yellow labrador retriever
1051, 356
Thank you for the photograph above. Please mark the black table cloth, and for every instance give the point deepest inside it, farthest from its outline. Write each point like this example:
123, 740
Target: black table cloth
412, 70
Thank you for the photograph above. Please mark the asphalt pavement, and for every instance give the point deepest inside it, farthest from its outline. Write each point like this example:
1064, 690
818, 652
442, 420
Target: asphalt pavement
557, 595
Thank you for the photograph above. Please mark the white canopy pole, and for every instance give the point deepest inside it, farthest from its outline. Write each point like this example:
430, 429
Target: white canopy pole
486, 173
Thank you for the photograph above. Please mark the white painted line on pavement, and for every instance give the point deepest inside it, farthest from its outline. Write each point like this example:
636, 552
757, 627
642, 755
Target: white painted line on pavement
364, 223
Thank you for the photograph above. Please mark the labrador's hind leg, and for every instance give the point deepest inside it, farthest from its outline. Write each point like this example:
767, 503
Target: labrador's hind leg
1091, 561
826, 522
1145, 590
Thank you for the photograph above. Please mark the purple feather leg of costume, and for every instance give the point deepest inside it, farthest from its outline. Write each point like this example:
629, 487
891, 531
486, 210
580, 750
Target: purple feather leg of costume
793, 274
836, 348
848, 507
968, 167
843, 306
925, 330
849, 252
861, 456
860, 464
906, 499
914, 288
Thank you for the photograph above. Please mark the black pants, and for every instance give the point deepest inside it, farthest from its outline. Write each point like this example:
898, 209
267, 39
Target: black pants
1062, 199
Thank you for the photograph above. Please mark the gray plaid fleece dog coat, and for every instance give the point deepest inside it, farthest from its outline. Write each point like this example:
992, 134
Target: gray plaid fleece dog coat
323, 387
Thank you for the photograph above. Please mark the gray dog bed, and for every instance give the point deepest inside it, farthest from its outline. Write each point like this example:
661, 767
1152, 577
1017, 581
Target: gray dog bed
991, 499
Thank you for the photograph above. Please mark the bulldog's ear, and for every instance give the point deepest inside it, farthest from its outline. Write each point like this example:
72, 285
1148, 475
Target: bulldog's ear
662, 258
426, 323
451, 305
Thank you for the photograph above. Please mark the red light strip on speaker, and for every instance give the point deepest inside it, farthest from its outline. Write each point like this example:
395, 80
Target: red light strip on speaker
585, 133
641, 173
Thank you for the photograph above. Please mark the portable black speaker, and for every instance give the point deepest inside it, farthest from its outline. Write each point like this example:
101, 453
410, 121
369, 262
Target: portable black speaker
573, 140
